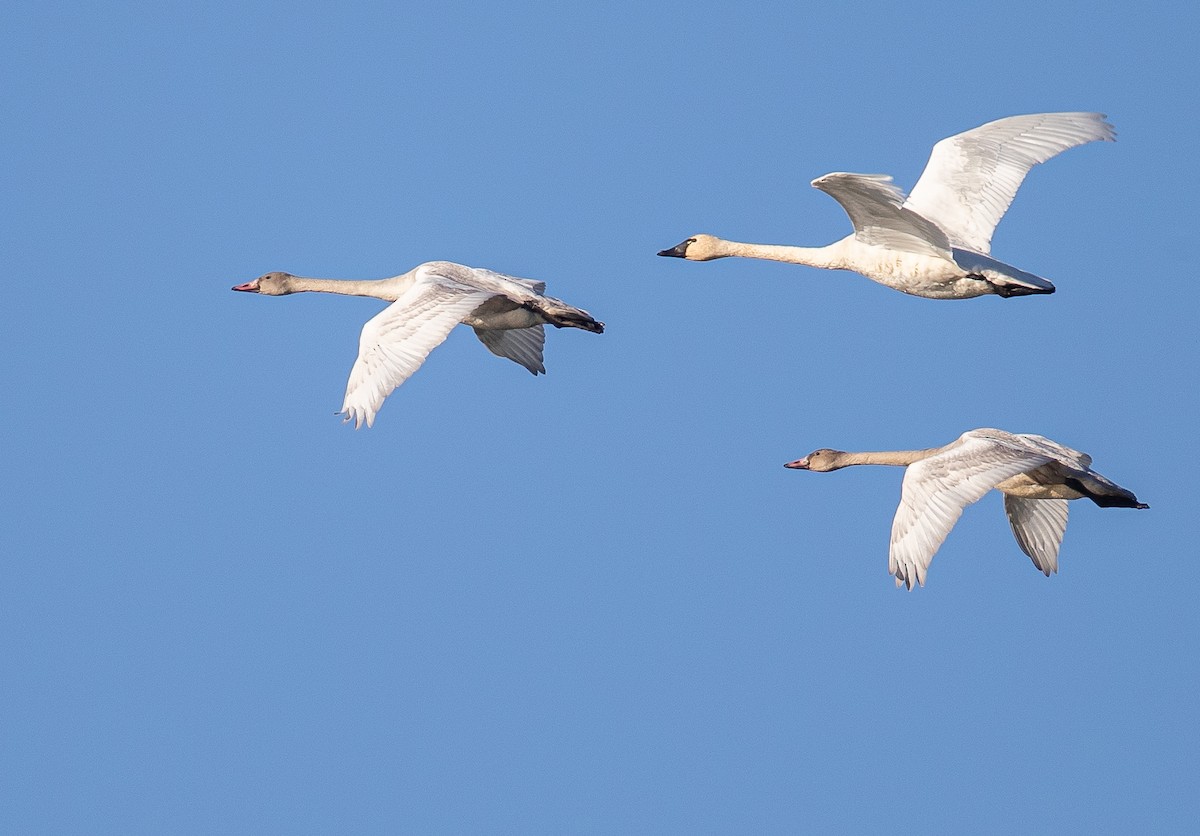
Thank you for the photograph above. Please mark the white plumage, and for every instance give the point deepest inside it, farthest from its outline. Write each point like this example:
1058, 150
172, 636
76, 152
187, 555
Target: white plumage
507, 313
936, 242
1036, 475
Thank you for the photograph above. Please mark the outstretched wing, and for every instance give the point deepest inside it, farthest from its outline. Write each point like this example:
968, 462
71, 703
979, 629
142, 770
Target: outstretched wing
1038, 525
521, 345
972, 177
396, 341
876, 208
937, 489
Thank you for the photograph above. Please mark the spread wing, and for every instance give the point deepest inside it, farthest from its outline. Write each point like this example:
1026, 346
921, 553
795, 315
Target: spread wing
522, 345
972, 177
396, 341
1038, 525
937, 489
876, 208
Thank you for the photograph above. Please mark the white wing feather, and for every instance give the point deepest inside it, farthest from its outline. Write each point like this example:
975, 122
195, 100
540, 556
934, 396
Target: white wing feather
937, 489
1038, 525
521, 345
876, 208
972, 177
396, 341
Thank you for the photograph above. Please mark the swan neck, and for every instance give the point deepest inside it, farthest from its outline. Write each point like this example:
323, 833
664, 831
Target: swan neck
375, 288
899, 458
810, 256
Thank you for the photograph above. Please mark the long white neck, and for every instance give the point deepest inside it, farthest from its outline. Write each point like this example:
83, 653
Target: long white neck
900, 458
828, 257
388, 289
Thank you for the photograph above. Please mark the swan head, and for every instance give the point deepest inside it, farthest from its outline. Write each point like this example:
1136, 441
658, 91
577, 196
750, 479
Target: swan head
696, 248
822, 461
271, 284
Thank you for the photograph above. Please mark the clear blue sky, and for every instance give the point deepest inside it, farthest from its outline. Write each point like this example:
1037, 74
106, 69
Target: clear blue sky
592, 601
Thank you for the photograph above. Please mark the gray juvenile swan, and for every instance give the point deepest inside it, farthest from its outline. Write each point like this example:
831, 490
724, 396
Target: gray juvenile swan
507, 314
1036, 475
936, 242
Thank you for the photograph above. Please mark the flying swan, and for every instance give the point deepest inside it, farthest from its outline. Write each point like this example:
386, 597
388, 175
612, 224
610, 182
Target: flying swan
507, 314
1036, 475
936, 242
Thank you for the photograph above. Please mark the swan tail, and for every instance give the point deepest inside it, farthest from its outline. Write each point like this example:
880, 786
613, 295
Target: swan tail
561, 315
1006, 287
1004, 279
1121, 500
1104, 493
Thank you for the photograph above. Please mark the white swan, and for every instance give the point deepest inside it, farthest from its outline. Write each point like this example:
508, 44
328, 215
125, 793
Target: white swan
936, 242
1036, 475
507, 314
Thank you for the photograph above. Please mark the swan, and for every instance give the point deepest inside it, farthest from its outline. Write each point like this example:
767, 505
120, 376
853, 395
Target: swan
936, 242
1036, 475
506, 312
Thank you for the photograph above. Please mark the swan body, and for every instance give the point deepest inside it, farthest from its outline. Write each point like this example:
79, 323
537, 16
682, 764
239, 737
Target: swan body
507, 313
936, 241
1036, 475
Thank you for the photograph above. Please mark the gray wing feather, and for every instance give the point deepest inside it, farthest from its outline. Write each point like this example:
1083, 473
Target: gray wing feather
876, 208
1038, 525
521, 345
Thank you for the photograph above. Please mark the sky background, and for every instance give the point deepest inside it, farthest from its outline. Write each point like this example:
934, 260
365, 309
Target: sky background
592, 601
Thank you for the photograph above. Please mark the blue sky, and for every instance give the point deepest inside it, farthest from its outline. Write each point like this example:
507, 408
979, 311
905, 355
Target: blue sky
592, 601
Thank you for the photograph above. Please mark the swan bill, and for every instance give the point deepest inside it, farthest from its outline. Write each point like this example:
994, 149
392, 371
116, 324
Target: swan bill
678, 251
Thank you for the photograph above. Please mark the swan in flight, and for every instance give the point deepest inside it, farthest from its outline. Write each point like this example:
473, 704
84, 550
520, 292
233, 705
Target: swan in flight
936, 242
507, 314
1036, 475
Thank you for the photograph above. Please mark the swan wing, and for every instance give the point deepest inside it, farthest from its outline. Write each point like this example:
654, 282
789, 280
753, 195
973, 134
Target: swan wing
1038, 525
497, 284
972, 177
395, 342
1061, 452
521, 345
876, 208
532, 284
936, 489
483, 277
